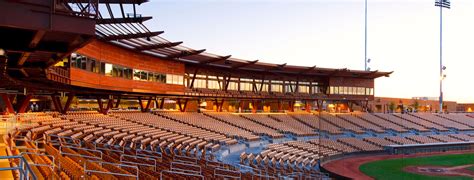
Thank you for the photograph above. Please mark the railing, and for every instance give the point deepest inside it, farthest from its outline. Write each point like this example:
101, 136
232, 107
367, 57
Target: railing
90, 171
225, 173
61, 140
185, 159
58, 74
125, 161
51, 166
189, 168
61, 151
180, 174
24, 169
79, 8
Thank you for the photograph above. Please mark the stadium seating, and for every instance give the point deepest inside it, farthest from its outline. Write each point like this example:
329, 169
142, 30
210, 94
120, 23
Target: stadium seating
168, 144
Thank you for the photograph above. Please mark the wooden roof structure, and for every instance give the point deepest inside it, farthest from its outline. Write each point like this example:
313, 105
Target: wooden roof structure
127, 30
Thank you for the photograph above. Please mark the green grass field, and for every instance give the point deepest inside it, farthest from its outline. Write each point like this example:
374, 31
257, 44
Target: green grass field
393, 168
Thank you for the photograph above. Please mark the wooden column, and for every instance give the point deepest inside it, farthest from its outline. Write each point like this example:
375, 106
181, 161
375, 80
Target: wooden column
101, 104
8, 103
70, 97
117, 103
308, 106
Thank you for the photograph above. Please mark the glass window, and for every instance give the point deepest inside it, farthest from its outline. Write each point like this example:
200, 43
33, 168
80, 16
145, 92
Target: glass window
276, 88
233, 86
115, 71
265, 88
102, 68
157, 77
136, 74
108, 69
303, 89
129, 73
143, 75
83, 62
73, 60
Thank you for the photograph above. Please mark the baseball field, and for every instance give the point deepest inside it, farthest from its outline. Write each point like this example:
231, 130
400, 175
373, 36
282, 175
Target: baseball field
453, 166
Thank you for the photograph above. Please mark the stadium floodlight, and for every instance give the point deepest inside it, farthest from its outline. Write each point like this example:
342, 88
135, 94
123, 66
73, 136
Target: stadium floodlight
441, 4
365, 57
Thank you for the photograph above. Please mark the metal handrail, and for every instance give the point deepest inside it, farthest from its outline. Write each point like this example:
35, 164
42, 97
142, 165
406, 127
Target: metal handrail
227, 175
110, 173
60, 140
23, 168
181, 173
49, 156
173, 168
136, 163
80, 155
122, 150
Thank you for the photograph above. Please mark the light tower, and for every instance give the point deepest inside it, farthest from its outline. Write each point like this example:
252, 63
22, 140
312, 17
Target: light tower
365, 57
441, 4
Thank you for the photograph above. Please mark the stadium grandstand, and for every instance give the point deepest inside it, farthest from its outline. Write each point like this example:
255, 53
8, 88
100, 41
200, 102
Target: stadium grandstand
89, 92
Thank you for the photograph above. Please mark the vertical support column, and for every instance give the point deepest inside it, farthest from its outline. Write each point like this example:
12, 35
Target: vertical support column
148, 104
101, 105
117, 103
241, 105
217, 104
179, 104
8, 103
254, 107
57, 103
280, 106
182, 107
110, 103
221, 105
140, 102
291, 105
162, 103
319, 103
70, 97
308, 106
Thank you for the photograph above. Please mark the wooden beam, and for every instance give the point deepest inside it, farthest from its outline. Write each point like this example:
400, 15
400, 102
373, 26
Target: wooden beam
244, 64
117, 103
36, 39
23, 58
194, 78
162, 103
141, 104
185, 105
8, 103
110, 104
186, 53
109, 1
307, 70
24, 104
179, 104
70, 97
132, 36
123, 20
101, 104
158, 46
221, 105
59, 105
148, 104
222, 58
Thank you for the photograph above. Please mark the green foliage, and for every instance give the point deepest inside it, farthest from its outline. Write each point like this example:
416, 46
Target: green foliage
393, 168
415, 105
391, 106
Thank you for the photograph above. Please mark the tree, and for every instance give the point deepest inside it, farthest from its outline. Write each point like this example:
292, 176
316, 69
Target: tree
391, 107
415, 105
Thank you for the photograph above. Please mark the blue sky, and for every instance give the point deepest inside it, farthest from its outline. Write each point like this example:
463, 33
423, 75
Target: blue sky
403, 37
